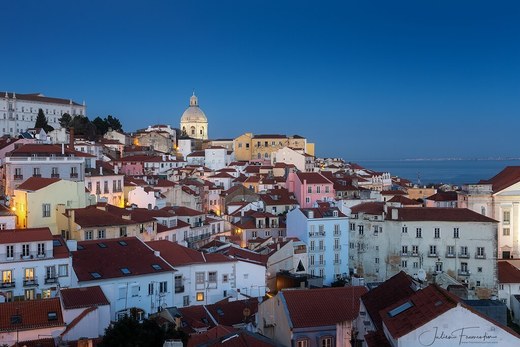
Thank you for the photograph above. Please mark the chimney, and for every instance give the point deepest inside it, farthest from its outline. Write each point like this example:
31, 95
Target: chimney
395, 214
71, 138
101, 170
72, 245
310, 214
116, 169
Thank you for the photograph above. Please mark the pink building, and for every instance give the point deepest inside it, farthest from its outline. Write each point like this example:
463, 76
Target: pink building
309, 187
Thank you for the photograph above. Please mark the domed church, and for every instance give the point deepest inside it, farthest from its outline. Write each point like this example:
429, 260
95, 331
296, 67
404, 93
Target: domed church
193, 121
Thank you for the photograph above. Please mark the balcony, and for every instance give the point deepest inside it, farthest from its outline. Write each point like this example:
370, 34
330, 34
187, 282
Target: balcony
337, 262
463, 273
317, 234
450, 255
18, 177
55, 175
433, 255
73, 175
51, 280
37, 175
404, 254
7, 284
480, 256
415, 254
463, 255
30, 282
179, 289
337, 248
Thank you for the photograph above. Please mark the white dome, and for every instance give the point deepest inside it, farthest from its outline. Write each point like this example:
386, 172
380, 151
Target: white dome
194, 114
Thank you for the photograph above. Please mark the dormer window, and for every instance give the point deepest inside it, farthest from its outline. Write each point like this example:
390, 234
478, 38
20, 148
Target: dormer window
41, 249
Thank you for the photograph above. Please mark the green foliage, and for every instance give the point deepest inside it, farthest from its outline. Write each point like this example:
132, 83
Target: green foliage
106, 124
65, 120
83, 126
41, 122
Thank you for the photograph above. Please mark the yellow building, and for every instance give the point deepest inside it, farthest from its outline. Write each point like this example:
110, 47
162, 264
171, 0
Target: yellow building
36, 200
249, 147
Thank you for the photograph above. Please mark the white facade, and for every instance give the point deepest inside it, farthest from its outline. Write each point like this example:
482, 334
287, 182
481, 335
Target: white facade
287, 258
327, 240
91, 325
298, 158
216, 158
465, 250
30, 269
457, 327
146, 198
193, 121
106, 186
18, 112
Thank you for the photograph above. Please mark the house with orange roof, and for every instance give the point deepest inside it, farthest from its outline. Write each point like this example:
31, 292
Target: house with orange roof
134, 278
106, 183
401, 312
35, 201
311, 317
206, 278
33, 264
509, 283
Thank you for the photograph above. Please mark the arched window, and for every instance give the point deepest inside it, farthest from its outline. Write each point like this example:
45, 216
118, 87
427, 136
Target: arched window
193, 130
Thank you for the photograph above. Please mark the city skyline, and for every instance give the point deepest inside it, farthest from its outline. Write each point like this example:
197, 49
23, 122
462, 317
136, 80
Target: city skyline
362, 81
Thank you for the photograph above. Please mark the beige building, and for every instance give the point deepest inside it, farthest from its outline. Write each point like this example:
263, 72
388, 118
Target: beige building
193, 121
36, 200
160, 141
249, 147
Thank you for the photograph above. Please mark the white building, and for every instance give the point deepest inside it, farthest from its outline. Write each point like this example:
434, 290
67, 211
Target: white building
289, 255
130, 274
106, 183
458, 242
498, 198
303, 161
325, 231
33, 264
18, 112
193, 121
508, 282
207, 278
216, 158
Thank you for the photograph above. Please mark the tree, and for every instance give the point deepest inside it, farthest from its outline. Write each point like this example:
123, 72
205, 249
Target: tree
104, 125
65, 120
101, 125
114, 123
41, 122
130, 332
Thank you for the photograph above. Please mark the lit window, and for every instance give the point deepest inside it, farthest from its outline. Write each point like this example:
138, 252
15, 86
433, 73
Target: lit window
200, 296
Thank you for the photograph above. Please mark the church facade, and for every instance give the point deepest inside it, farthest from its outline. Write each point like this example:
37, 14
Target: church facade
193, 121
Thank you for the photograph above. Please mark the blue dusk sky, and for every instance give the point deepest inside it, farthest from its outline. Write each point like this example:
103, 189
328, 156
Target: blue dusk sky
361, 79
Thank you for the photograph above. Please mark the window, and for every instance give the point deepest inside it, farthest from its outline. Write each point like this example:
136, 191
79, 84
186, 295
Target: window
456, 233
464, 267
29, 274
29, 294
36, 172
7, 277
309, 189
41, 249
55, 172
479, 269
405, 229
150, 288
326, 342
63, 270
105, 187
101, 233
134, 291
404, 250
302, 343
360, 229
163, 287
418, 233
212, 277
415, 264
463, 251
311, 260
318, 189
376, 260
50, 272
450, 251
10, 251
25, 250
480, 252
404, 263
121, 293
46, 209
98, 187
352, 226
433, 250
253, 234
199, 278
186, 300
122, 232
200, 296
225, 278
88, 234
437, 233
336, 229
506, 217
307, 200
506, 231
415, 250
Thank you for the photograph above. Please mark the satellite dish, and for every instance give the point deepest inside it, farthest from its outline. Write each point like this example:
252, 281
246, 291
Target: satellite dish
246, 312
421, 275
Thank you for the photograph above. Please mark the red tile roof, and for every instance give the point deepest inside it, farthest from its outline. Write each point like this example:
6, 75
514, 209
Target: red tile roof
425, 304
322, 212
403, 200
373, 208
443, 196
393, 192
183, 211
213, 333
177, 255
507, 272
241, 338
25, 235
505, 178
83, 297
33, 314
232, 312
37, 183
92, 216
39, 97
438, 214
313, 178
391, 291
108, 261
324, 306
